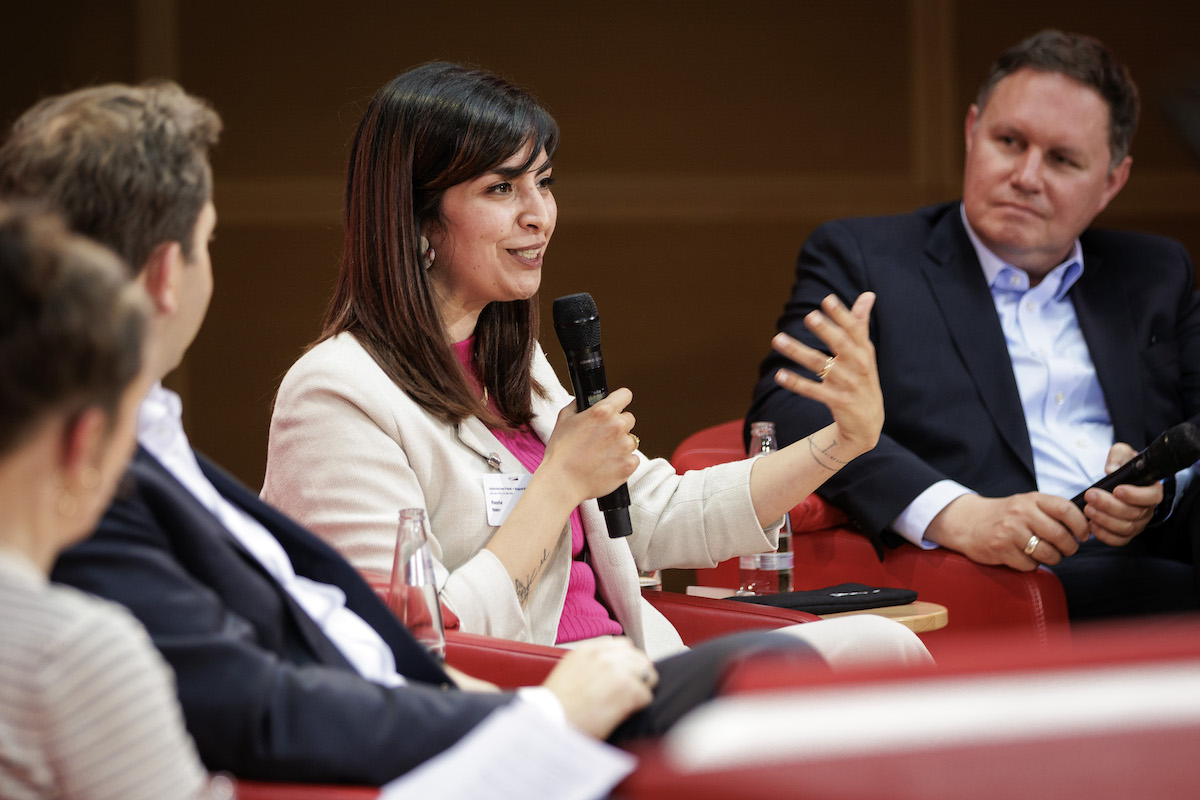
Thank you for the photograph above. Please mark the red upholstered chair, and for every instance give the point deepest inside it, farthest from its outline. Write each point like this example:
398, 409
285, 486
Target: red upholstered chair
828, 552
504, 662
510, 663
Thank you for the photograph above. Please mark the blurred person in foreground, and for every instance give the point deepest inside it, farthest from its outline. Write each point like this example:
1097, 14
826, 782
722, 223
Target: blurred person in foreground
87, 706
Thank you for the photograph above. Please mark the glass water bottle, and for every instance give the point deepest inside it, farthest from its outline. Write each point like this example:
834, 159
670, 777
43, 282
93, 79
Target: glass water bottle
767, 573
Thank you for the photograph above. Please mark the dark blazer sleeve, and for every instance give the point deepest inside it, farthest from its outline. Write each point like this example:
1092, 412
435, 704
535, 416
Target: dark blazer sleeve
262, 697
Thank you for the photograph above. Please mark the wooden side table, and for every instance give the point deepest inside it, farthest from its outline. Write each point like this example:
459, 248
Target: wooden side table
918, 616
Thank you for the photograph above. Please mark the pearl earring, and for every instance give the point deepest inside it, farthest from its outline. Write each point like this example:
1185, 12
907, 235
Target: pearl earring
427, 253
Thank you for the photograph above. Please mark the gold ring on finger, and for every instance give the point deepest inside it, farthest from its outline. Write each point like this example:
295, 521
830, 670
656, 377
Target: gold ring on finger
637, 441
1032, 544
829, 362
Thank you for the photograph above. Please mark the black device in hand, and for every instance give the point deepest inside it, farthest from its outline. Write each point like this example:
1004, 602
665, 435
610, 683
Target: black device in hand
577, 324
1172, 451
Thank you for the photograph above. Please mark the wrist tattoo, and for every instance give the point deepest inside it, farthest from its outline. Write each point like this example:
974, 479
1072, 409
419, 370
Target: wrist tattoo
823, 457
525, 587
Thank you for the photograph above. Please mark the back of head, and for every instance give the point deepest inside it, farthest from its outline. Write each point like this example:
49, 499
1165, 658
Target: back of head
1086, 60
71, 323
125, 165
430, 128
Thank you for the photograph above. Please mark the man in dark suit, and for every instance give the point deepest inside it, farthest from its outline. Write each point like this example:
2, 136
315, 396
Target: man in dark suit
1021, 355
288, 665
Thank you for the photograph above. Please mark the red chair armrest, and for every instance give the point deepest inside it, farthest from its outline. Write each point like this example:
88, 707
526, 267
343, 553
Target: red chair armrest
716, 445
382, 584
701, 618
817, 514
978, 596
506, 663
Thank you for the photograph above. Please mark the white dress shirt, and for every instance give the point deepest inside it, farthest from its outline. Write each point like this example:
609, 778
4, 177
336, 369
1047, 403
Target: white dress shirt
160, 431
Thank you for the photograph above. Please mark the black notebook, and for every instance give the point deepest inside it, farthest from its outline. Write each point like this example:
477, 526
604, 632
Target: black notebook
832, 599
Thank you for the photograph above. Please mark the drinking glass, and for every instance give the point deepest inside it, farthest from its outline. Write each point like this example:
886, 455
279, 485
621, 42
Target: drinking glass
413, 596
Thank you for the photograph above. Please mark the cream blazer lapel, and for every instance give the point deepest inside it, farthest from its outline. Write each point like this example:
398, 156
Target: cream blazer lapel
612, 561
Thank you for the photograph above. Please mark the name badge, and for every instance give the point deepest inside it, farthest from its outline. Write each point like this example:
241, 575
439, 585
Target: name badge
502, 493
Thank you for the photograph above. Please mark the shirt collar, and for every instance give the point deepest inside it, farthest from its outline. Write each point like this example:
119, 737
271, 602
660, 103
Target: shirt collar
160, 420
1001, 275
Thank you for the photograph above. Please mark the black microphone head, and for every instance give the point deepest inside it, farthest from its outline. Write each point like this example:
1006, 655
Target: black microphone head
1183, 446
577, 322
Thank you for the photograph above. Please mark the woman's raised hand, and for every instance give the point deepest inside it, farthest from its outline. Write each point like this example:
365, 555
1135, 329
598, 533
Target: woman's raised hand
848, 381
591, 451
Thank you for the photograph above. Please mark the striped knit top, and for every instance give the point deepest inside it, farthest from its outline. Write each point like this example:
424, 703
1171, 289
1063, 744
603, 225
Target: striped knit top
87, 706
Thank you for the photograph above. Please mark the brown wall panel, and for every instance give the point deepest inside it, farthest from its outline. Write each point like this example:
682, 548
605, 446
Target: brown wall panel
271, 286
667, 87
56, 47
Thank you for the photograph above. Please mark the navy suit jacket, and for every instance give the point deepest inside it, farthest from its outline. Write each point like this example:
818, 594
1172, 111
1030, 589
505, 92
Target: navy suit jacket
265, 694
951, 404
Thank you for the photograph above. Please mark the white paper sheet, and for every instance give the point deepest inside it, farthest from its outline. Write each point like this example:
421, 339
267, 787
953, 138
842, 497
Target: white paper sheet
517, 753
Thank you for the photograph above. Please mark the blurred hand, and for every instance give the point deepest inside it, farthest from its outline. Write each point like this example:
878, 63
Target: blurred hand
850, 386
601, 683
591, 451
1118, 517
996, 530
469, 683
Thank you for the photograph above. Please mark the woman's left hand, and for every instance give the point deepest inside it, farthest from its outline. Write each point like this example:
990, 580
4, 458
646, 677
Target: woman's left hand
848, 381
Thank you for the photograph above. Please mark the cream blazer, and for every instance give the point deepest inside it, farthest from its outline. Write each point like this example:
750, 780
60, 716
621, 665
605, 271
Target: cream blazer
348, 449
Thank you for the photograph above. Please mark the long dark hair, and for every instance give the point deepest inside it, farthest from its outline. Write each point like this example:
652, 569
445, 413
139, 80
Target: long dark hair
431, 128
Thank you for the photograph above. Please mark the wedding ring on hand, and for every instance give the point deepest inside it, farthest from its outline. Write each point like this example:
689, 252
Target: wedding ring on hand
1032, 544
637, 441
825, 370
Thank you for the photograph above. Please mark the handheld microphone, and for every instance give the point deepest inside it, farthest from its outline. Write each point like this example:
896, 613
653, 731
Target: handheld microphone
1172, 451
577, 324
